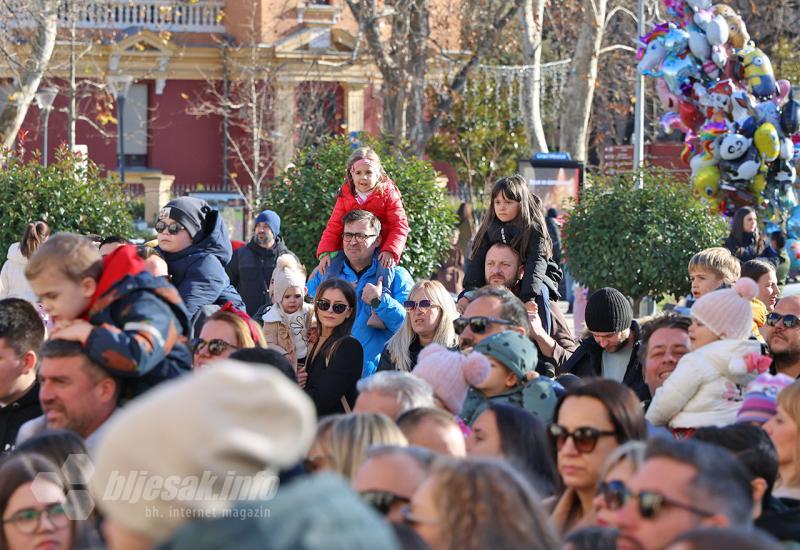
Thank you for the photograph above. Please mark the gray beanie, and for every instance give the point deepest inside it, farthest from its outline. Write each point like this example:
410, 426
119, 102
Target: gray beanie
190, 212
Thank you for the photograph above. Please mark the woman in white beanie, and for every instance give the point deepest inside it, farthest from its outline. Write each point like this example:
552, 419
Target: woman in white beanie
705, 389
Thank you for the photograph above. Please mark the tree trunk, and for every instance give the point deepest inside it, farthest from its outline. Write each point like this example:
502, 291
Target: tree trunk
579, 91
30, 75
532, 17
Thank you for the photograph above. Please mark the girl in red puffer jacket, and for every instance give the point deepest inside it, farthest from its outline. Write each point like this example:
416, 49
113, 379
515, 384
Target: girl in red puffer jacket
367, 187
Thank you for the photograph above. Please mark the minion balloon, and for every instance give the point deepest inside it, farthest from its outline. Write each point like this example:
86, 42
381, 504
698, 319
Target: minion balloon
759, 74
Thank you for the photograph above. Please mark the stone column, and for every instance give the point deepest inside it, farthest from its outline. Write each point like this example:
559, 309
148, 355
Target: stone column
354, 107
157, 193
284, 124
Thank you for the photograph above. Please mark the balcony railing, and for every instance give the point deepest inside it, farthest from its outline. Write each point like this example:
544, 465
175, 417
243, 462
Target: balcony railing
156, 15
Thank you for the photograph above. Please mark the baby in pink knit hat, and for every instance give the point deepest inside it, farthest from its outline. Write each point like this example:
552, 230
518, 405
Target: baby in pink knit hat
450, 373
705, 389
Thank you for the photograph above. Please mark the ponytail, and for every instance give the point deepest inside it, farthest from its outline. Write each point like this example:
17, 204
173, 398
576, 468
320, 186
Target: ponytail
35, 234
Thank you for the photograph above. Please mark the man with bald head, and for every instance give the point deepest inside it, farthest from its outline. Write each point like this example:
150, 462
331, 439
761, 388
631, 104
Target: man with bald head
782, 334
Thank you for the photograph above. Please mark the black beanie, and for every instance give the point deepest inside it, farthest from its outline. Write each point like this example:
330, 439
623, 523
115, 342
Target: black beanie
190, 212
608, 310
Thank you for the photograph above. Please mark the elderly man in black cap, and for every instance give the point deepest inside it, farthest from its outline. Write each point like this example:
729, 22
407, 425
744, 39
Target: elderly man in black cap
611, 351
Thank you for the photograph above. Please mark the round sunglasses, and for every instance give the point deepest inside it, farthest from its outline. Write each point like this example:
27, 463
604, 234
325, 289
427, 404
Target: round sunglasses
584, 438
477, 325
325, 305
616, 494
173, 228
216, 347
789, 321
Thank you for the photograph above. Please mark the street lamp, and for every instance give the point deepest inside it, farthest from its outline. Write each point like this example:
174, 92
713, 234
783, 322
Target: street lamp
119, 85
44, 100
638, 132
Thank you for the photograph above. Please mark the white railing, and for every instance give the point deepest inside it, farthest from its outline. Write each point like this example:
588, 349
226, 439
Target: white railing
155, 15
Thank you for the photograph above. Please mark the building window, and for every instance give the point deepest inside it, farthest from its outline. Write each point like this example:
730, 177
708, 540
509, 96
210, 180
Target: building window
135, 118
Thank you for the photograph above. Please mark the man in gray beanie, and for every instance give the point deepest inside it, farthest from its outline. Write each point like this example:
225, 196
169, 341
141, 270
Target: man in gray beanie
252, 265
611, 351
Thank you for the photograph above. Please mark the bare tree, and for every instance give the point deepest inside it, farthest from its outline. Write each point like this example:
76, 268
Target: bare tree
410, 112
28, 68
533, 21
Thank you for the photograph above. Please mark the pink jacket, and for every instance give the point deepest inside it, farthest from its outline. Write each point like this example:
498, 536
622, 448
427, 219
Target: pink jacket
386, 205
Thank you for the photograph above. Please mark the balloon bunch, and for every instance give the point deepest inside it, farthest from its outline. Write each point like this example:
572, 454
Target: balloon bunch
741, 124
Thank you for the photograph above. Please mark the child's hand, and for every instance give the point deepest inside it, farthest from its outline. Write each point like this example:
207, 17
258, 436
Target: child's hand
77, 331
386, 259
324, 262
533, 318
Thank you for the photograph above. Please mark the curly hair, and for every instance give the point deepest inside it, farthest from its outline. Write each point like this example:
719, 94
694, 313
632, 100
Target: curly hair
484, 503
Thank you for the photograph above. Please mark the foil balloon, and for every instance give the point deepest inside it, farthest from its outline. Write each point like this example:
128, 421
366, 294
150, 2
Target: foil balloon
706, 182
733, 146
784, 89
787, 149
759, 74
738, 37
790, 116
675, 70
669, 101
698, 44
783, 173
793, 248
767, 111
742, 105
759, 184
767, 142
690, 115
739, 171
717, 32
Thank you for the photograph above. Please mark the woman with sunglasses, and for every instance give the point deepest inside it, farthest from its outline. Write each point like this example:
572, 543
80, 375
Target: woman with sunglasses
225, 332
616, 474
430, 312
478, 504
34, 520
334, 363
591, 420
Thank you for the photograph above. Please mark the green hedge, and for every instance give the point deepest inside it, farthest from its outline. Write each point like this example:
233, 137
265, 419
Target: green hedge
305, 194
69, 195
639, 241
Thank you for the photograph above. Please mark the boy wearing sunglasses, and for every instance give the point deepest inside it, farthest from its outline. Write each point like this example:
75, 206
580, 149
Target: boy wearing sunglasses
512, 379
127, 321
194, 242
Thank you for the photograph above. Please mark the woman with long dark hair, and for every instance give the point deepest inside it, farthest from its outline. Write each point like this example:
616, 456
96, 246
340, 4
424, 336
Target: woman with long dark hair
745, 242
334, 363
520, 438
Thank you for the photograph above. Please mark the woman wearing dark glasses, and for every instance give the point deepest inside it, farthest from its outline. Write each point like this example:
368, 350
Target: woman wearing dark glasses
334, 363
430, 312
225, 332
591, 420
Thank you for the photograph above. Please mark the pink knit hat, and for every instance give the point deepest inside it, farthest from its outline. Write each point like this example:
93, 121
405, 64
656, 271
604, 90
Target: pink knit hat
727, 312
451, 373
761, 398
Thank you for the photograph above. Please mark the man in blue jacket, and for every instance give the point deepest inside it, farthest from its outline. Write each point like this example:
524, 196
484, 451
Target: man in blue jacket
380, 290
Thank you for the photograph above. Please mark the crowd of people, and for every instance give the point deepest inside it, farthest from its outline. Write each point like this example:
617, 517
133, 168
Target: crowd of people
188, 395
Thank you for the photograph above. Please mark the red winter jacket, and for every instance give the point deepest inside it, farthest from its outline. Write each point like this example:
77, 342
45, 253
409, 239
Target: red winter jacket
386, 205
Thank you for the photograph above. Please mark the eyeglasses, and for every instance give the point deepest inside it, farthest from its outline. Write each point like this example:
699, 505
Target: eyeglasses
411, 520
478, 325
216, 347
423, 305
173, 228
616, 494
360, 237
789, 321
325, 305
584, 438
28, 520
382, 501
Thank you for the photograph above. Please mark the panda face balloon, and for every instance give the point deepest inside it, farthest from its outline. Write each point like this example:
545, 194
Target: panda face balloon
733, 146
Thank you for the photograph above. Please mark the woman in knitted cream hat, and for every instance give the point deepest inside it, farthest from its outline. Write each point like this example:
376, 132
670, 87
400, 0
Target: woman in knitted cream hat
287, 320
705, 389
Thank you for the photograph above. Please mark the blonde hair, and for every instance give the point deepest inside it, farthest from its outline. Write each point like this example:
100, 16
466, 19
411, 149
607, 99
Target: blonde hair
789, 401
351, 435
74, 255
485, 503
369, 154
445, 334
632, 451
719, 261
244, 336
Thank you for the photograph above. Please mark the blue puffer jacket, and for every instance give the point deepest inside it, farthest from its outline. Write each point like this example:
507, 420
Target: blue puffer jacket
397, 285
198, 271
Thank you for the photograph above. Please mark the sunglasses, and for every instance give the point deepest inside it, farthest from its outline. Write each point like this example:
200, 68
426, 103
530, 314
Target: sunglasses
423, 305
789, 321
173, 228
325, 305
216, 347
478, 325
382, 501
584, 438
616, 494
